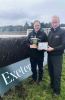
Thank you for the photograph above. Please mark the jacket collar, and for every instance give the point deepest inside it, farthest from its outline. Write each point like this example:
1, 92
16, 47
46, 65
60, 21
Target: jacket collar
56, 29
36, 32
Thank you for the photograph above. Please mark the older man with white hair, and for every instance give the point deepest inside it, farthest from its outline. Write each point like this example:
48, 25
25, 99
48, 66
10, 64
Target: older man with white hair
56, 42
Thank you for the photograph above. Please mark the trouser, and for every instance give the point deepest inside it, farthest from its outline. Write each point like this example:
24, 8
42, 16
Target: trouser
34, 62
55, 69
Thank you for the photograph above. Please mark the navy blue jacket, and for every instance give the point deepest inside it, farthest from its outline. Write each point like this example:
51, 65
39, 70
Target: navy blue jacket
56, 39
35, 53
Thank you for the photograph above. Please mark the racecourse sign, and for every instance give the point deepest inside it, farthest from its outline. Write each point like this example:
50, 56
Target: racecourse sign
12, 74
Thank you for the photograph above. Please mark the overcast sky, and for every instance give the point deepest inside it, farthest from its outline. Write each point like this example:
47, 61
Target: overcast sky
17, 12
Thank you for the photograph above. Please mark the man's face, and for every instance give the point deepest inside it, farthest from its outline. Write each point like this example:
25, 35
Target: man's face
55, 22
37, 26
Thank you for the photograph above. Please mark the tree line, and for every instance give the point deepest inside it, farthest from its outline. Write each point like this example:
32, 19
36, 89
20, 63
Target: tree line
21, 28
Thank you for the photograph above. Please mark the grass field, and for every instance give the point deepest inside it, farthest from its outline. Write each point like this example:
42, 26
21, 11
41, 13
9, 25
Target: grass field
38, 92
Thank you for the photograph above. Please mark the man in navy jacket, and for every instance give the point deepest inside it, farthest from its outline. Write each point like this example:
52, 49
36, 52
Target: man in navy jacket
56, 42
